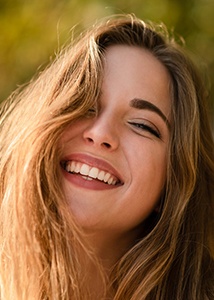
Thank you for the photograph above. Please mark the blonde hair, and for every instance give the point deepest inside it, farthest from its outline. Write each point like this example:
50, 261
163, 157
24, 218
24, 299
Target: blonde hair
40, 243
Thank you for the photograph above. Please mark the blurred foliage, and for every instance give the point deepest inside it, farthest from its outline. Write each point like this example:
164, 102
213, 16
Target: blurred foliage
32, 31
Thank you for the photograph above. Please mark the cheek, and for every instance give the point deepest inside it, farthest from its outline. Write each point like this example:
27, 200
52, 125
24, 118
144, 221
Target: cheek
152, 155
72, 131
149, 167
148, 186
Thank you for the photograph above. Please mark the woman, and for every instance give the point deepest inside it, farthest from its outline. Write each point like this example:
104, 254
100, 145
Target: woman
107, 173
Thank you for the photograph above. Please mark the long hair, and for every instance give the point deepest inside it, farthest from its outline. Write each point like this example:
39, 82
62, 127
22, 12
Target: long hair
41, 246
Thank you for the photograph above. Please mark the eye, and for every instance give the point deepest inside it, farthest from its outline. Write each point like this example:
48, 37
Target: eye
143, 126
91, 112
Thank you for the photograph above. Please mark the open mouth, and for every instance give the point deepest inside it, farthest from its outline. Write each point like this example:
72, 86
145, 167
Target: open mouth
90, 173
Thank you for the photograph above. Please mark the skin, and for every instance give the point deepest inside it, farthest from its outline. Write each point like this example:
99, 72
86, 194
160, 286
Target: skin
116, 141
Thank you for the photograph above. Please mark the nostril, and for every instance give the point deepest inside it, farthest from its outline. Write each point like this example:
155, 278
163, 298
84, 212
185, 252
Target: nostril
90, 140
104, 144
107, 145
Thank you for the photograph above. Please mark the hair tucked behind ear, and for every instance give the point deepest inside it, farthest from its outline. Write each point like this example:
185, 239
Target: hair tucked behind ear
41, 252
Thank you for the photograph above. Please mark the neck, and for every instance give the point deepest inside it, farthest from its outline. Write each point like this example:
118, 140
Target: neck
108, 249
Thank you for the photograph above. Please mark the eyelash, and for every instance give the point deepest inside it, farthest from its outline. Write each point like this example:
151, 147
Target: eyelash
146, 127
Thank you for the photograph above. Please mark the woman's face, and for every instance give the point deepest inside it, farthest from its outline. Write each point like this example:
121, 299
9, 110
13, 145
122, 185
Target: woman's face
114, 164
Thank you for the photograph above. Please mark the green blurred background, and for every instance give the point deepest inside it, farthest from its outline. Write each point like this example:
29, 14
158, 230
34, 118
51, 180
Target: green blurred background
33, 31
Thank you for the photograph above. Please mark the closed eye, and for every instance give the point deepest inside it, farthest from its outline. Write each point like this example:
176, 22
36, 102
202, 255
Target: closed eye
146, 127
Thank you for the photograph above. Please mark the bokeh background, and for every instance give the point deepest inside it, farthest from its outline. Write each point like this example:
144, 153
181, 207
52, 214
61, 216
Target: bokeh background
33, 31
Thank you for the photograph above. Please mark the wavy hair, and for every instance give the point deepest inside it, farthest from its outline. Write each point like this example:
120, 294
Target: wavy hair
40, 244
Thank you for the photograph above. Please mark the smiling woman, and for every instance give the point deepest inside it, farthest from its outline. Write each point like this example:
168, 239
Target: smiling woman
107, 173
122, 134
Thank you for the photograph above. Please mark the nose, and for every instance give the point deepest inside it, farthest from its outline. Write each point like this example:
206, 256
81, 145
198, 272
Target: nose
102, 133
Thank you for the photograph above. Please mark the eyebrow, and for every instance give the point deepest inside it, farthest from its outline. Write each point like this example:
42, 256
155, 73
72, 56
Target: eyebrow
144, 104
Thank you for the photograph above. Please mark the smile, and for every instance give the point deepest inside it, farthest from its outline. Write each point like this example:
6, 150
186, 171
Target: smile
89, 172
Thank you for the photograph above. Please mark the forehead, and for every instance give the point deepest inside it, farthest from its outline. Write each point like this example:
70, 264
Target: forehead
137, 73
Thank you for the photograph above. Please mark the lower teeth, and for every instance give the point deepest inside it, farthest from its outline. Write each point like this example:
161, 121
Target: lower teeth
87, 178
90, 179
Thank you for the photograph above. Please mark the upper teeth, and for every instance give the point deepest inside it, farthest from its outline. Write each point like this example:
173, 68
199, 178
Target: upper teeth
90, 172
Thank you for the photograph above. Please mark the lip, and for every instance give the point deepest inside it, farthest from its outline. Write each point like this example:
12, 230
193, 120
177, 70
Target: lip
93, 162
